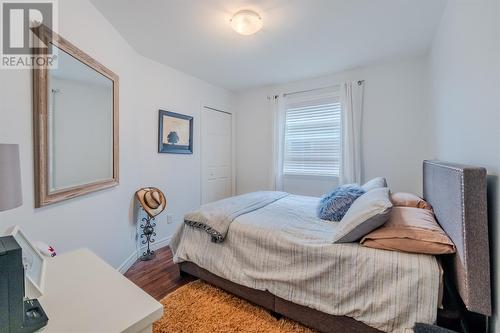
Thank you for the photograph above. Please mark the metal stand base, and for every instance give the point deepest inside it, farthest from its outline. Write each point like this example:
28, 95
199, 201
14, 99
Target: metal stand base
148, 256
148, 232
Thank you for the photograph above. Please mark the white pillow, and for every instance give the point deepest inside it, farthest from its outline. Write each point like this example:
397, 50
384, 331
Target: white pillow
374, 183
367, 213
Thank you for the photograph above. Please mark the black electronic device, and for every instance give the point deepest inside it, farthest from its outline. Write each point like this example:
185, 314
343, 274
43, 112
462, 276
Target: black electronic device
17, 314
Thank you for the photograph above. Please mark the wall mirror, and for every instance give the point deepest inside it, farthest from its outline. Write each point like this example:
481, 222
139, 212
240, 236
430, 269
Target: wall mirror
75, 123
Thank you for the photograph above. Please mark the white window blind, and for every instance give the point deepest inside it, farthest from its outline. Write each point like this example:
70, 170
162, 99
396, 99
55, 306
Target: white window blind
312, 135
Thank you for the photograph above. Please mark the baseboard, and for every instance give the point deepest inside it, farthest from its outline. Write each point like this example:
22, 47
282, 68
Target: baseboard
128, 262
132, 258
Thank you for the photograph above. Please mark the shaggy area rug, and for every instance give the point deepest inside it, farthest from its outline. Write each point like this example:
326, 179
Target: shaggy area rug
201, 308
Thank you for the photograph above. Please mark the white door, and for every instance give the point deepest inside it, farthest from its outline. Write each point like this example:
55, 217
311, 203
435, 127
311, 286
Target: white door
216, 155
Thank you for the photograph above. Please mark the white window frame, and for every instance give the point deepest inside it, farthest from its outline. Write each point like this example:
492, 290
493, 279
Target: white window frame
303, 98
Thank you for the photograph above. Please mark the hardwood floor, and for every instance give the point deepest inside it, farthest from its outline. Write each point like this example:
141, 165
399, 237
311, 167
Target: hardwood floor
158, 277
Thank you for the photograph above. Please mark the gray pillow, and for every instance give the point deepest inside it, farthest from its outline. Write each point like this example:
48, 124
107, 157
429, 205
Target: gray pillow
366, 214
374, 183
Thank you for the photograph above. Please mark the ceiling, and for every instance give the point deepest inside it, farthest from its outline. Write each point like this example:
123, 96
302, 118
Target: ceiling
300, 38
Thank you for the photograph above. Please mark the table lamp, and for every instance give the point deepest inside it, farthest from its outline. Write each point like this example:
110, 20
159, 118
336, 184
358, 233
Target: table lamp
10, 177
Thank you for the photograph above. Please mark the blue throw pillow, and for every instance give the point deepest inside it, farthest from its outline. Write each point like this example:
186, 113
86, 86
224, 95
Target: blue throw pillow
335, 204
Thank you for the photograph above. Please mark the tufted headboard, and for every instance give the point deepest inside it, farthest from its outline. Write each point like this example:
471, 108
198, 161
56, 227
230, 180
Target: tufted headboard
458, 195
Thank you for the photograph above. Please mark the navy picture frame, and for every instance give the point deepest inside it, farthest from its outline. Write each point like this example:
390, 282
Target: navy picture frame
173, 148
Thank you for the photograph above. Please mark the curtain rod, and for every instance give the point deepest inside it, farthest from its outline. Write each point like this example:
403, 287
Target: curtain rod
360, 82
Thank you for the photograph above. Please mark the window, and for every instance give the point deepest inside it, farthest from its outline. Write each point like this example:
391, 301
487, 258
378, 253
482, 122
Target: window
312, 135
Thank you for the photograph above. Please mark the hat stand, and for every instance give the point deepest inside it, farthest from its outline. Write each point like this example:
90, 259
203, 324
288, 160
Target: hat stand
148, 232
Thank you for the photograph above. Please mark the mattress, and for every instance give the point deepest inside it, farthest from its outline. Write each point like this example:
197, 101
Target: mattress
285, 249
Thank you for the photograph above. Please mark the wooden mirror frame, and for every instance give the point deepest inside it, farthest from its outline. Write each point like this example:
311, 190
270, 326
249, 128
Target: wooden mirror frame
43, 196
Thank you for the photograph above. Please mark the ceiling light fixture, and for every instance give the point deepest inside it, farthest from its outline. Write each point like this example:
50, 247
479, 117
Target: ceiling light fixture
246, 22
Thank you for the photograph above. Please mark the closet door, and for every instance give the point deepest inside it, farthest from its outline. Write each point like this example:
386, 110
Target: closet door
216, 155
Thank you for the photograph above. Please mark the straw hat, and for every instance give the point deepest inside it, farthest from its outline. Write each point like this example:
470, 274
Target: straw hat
152, 200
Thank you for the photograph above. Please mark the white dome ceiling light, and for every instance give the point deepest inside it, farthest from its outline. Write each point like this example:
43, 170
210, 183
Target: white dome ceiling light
246, 22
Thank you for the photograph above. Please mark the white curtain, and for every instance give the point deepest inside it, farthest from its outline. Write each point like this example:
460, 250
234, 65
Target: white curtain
351, 94
277, 109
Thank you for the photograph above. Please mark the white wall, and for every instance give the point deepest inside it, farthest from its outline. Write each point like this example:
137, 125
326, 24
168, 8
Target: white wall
395, 125
104, 221
465, 85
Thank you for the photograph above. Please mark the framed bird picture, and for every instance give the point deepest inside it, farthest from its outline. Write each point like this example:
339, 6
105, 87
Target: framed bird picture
175, 133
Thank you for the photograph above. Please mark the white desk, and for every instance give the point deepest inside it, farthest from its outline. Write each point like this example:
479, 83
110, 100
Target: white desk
84, 294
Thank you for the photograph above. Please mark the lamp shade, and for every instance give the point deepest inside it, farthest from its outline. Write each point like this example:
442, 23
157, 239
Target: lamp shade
10, 177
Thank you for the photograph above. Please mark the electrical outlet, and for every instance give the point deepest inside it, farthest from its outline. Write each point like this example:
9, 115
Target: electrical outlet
170, 219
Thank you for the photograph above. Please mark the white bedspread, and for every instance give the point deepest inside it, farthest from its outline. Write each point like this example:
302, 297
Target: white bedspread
285, 249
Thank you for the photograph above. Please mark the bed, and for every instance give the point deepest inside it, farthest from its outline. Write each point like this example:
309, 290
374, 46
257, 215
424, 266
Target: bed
281, 257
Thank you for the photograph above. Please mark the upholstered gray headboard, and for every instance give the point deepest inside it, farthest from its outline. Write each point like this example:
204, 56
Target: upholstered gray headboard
458, 195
